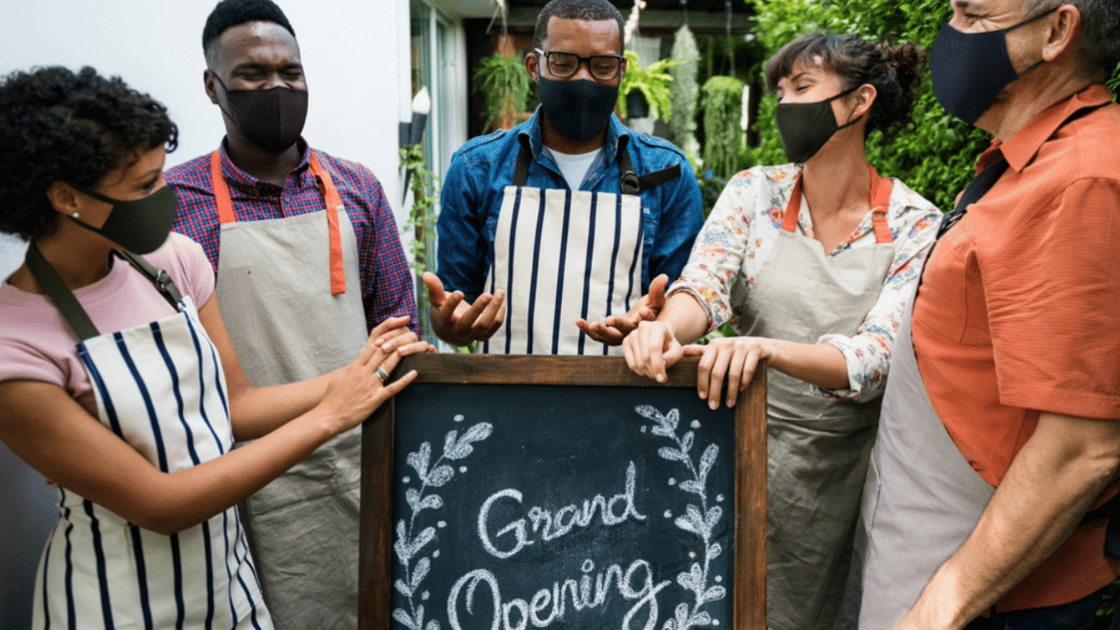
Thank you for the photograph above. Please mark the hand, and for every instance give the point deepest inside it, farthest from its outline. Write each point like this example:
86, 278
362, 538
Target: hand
733, 357
613, 329
357, 389
651, 349
458, 322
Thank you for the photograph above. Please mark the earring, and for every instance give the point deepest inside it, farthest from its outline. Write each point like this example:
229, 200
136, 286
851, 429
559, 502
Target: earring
75, 215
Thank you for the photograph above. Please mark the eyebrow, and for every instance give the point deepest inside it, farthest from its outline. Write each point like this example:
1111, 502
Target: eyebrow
963, 5
253, 65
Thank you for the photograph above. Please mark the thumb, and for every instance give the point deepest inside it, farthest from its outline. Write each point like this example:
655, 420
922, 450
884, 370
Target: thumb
657, 291
436, 296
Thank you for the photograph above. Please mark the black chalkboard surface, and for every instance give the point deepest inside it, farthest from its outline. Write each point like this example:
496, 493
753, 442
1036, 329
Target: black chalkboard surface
560, 492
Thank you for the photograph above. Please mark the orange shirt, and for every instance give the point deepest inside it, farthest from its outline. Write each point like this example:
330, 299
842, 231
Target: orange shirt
1019, 312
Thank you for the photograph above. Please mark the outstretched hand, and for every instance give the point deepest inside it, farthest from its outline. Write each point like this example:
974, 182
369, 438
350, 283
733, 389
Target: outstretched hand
459, 322
614, 329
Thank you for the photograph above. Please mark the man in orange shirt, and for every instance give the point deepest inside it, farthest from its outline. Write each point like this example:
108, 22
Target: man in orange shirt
1001, 421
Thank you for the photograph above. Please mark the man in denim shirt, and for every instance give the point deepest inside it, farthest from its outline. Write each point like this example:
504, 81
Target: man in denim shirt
566, 217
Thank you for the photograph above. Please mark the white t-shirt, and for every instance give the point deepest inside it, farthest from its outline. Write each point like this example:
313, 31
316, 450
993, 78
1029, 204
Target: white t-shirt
574, 167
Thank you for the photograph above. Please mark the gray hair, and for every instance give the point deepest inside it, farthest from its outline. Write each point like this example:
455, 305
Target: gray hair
1100, 30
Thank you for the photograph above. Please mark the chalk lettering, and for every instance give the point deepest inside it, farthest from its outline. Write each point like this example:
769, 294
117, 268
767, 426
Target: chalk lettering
617, 510
518, 614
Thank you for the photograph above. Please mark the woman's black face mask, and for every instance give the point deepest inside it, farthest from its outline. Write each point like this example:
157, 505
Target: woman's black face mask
805, 127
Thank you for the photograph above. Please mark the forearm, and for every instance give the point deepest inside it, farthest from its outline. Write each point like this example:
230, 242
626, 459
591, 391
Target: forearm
1052, 482
256, 411
685, 318
821, 364
168, 503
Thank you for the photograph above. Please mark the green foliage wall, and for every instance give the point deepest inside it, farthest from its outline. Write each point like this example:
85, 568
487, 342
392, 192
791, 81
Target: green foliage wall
936, 157
722, 101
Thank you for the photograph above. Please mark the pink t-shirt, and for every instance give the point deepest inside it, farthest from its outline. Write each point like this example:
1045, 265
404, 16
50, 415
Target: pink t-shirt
37, 344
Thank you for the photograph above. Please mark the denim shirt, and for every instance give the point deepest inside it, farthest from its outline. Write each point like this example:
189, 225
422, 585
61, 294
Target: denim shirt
473, 188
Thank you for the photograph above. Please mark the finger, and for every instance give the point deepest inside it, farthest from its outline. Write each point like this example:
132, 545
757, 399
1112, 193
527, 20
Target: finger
486, 318
692, 350
464, 324
394, 387
499, 319
388, 324
735, 373
749, 367
389, 363
657, 291
396, 341
392, 334
628, 353
416, 347
719, 372
657, 356
623, 325
450, 303
704, 368
600, 333
436, 295
673, 354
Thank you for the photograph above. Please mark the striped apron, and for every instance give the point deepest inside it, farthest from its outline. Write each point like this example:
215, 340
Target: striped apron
159, 387
561, 255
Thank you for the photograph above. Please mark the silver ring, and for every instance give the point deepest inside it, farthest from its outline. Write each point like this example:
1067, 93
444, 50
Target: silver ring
381, 374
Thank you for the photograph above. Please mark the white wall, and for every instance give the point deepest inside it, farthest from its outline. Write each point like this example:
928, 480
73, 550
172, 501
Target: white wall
355, 54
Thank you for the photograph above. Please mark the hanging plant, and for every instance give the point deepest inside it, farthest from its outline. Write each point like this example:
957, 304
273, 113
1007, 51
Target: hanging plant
652, 82
723, 136
506, 85
683, 92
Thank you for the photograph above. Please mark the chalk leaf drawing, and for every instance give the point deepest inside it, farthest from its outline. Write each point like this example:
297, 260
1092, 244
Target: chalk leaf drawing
410, 542
698, 520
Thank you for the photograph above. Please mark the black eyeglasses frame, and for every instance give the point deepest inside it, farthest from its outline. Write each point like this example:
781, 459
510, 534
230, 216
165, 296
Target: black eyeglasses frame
581, 60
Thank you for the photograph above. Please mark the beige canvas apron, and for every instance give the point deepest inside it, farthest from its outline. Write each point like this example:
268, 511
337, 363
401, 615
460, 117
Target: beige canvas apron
817, 447
290, 296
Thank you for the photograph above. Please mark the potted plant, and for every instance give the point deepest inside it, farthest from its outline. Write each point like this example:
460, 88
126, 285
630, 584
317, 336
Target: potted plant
650, 85
502, 78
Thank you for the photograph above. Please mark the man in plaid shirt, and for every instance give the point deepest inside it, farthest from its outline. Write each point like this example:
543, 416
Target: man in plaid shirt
308, 261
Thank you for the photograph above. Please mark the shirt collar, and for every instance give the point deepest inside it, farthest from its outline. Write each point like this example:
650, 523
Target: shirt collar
615, 128
1021, 148
242, 180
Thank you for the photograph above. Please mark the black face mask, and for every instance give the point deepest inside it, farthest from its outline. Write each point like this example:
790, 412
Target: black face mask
141, 225
969, 70
805, 127
272, 119
578, 109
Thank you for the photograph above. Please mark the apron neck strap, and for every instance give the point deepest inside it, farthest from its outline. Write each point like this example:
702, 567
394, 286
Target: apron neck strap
68, 305
332, 203
630, 183
880, 198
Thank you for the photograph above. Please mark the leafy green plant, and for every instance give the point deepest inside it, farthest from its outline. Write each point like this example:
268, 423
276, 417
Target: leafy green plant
421, 224
505, 83
652, 81
936, 156
722, 101
1114, 82
684, 92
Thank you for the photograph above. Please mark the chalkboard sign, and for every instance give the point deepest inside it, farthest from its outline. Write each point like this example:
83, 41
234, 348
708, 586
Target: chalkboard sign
561, 492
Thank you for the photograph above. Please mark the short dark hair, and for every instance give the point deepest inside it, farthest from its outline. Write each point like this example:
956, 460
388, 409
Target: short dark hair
55, 125
895, 71
230, 13
590, 10
1100, 30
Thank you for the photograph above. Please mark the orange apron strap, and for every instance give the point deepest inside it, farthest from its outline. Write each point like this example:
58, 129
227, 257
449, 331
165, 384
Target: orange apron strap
793, 208
334, 205
221, 190
880, 200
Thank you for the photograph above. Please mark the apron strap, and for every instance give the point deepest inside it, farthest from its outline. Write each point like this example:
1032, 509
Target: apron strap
334, 206
630, 184
221, 189
976, 189
159, 277
68, 305
331, 199
881, 189
60, 294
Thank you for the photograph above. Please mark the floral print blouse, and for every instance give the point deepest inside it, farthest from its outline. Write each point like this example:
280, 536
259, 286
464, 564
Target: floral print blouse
742, 229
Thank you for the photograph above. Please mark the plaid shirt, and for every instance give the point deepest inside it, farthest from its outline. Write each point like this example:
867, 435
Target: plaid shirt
387, 289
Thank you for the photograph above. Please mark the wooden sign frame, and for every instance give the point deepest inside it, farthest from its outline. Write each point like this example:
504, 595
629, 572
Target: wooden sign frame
375, 550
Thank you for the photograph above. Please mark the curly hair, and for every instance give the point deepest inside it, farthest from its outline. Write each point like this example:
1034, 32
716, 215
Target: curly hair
56, 124
894, 71
230, 13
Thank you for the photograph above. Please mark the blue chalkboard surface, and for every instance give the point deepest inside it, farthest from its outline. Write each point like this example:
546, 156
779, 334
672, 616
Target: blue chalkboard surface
558, 492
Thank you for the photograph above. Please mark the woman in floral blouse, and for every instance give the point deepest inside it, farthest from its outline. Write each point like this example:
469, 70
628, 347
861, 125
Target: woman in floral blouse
813, 262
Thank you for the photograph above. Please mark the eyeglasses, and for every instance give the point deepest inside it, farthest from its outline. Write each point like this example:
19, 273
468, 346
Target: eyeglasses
565, 64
